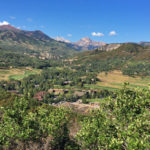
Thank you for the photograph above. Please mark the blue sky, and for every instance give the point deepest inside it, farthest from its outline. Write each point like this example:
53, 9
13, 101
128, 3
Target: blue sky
102, 20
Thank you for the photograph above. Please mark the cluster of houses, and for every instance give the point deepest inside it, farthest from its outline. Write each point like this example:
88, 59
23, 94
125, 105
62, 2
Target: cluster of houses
40, 95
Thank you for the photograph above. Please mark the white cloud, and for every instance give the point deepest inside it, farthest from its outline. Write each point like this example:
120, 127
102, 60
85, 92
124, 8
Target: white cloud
97, 34
12, 17
62, 39
4, 23
112, 33
69, 35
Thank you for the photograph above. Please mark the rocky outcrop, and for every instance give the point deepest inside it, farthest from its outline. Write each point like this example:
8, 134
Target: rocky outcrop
110, 47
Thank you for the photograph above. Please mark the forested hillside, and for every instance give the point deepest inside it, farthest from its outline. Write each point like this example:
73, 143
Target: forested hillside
10, 58
36, 41
132, 59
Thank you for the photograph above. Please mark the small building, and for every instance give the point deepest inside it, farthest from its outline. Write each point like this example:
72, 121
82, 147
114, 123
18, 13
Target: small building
40, 95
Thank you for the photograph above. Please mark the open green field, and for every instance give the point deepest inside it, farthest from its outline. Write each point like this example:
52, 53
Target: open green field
17, 73
115, 79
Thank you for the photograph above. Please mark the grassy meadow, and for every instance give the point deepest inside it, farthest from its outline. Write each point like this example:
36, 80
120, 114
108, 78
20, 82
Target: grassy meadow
115, 79
17, 73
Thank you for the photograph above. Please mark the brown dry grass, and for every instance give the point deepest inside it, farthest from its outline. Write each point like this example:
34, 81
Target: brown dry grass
116, 79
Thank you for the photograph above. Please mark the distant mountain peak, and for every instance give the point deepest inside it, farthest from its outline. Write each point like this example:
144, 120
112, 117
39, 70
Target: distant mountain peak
8, 27
89, 44
37, 41
37, 34
83, 44
38, 31
87, 39
62, 39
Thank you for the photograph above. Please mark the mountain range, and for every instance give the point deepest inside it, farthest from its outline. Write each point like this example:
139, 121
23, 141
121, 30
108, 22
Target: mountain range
37, 43
33, 41
83, 44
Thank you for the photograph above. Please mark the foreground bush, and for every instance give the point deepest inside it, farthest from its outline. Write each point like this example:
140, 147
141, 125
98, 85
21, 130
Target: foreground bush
26, 124
121, 124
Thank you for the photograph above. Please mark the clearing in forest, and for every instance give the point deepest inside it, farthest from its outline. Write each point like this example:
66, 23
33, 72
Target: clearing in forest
17, 73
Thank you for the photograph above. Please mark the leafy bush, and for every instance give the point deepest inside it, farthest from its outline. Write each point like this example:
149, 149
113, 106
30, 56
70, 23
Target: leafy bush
26, 121
123, 123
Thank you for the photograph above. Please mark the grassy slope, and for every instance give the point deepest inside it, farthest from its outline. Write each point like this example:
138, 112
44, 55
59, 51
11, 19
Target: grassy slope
16, 73
115, 79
